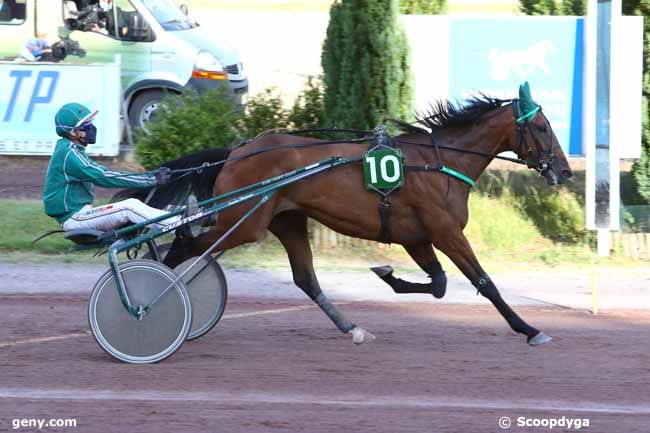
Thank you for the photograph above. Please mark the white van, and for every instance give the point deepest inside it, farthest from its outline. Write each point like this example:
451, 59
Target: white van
162, 49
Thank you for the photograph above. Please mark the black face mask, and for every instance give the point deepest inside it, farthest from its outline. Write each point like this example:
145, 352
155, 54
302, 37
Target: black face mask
91, 133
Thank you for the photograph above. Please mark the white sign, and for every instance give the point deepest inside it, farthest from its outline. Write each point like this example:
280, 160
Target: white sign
31, 94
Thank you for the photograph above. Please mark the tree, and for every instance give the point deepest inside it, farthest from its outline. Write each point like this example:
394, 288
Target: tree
365, 63
552, 7
574, 7
422, 7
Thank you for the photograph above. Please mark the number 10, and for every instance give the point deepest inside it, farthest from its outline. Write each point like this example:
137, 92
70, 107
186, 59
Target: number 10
383, 168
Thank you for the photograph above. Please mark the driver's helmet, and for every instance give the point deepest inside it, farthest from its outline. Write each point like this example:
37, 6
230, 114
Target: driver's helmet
70, 117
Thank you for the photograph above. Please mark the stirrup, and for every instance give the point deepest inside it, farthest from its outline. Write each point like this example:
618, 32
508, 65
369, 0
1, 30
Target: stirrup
192, 229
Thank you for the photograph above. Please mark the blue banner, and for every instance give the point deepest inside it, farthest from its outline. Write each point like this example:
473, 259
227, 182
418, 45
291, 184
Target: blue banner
31, 94
496, 56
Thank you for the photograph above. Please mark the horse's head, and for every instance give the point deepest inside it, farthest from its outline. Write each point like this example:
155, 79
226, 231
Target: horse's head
536, 142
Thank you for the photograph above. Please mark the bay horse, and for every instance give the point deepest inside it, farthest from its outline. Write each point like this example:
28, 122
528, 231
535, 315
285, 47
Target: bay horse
429, 212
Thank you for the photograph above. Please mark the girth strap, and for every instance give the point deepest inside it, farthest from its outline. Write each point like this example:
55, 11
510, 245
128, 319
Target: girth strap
384, 220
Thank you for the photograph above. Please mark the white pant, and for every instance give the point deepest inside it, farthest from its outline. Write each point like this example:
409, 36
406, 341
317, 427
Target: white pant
115, 215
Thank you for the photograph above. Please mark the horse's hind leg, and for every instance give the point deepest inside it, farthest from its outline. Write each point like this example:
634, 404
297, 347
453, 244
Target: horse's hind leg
425, 257
457, 248
291, 229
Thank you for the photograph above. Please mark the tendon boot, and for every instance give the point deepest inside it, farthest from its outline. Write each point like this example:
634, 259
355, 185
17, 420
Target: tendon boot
437, 287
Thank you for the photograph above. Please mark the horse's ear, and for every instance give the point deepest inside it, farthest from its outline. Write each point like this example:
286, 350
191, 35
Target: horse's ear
525, 98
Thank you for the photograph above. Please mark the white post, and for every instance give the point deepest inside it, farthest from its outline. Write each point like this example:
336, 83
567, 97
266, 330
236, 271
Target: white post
604, 242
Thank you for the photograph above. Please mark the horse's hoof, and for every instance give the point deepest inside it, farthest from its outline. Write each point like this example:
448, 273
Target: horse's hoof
360, 336
382, 271
439, 292
539, 339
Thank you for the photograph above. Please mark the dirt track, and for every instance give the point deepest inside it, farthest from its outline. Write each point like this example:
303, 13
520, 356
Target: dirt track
433, 368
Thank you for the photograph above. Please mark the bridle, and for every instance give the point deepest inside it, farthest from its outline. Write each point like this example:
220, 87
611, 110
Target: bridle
544, 159
541, 164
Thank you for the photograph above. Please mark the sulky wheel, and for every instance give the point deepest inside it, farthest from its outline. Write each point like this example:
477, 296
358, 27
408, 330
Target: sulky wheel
208, 290
159, 332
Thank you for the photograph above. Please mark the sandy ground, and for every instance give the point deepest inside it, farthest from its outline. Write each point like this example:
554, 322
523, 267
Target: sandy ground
276, 364
443, 368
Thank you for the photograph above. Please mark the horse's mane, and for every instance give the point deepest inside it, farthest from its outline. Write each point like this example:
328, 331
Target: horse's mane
200, 184
444, 114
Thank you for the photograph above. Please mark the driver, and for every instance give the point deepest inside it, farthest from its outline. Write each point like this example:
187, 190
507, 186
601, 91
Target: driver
71, 174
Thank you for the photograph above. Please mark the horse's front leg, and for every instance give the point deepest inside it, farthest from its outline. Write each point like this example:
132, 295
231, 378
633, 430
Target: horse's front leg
454, 244
425, 257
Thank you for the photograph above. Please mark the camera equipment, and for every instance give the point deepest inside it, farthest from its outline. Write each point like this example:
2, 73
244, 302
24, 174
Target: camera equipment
89, 17
65, 47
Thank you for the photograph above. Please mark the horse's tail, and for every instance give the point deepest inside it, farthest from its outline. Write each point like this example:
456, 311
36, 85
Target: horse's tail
176, 192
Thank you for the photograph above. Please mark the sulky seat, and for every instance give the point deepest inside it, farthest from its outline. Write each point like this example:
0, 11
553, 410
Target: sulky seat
89, 237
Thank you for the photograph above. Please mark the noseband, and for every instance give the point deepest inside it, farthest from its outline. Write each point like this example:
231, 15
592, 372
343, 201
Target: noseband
544, 159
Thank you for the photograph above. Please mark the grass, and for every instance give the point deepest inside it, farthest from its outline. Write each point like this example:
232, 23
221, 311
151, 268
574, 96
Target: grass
502, 239
21, 221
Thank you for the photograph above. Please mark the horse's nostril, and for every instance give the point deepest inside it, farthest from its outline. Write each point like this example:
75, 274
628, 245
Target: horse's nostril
567, 173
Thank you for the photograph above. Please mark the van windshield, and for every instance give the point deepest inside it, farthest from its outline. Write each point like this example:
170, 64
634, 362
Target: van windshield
169, 15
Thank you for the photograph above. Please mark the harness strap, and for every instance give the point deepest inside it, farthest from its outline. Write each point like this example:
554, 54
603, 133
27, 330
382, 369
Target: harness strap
443, 169
457, 175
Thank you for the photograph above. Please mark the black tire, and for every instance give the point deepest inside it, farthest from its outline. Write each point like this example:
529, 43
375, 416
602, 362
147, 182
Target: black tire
206, 311
144, 106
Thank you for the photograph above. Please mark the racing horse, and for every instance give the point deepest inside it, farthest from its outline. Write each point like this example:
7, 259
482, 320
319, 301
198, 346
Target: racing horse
429, 212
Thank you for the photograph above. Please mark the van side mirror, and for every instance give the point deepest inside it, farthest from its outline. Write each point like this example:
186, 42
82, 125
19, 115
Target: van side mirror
184, 9
139, 30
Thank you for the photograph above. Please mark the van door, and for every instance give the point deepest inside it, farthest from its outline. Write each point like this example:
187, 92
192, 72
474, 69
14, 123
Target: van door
115, 27
16, 26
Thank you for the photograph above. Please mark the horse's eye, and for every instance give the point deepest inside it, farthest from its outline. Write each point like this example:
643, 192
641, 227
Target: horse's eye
541, 128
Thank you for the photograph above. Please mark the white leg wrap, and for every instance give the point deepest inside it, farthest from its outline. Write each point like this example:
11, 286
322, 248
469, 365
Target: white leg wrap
360, 336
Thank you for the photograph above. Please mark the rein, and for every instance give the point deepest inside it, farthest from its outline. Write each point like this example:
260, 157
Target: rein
470, 152
524, 119
268, 149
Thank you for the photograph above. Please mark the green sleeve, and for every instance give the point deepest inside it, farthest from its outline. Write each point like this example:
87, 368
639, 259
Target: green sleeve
81, 167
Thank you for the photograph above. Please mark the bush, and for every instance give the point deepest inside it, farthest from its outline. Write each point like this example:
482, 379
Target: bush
495, 226
185, 124
263, 112
193, 122
308, 110
558, 212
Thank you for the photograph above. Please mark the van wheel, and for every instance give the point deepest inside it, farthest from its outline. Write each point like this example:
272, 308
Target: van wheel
144, 107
